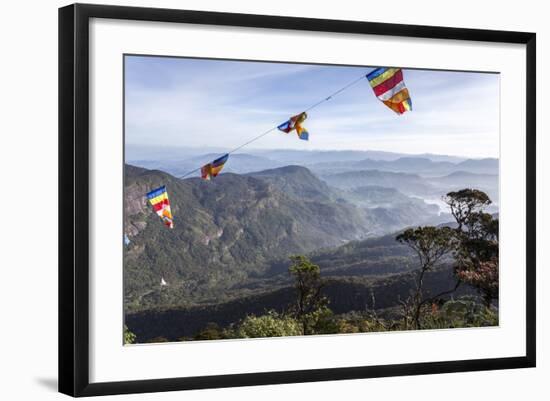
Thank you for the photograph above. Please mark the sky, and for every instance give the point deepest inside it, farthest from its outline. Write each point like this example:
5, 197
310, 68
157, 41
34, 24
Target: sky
198, 103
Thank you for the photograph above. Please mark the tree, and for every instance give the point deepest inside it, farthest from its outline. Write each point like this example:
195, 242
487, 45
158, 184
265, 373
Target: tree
431, 245
310, 304
464, 312
473, 245
477, 233
484, 277
465, 203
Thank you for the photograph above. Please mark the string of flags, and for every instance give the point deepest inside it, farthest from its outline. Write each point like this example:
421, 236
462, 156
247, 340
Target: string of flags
387, 84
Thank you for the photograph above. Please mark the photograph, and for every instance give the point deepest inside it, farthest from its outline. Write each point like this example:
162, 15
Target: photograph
270, 199
275, 201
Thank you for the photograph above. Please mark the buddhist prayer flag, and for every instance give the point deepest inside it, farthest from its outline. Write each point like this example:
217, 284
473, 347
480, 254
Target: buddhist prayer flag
161, 205
295, 123
210, 170
389, 87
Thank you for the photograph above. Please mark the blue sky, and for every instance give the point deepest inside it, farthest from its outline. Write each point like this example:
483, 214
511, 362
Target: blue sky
214, 103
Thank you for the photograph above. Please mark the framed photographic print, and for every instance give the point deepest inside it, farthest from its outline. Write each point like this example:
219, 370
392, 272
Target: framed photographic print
249, 199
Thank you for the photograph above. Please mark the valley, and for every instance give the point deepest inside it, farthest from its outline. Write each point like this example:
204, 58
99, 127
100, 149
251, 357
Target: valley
228, 254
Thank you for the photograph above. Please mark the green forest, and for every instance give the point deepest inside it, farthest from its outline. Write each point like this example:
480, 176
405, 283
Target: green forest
282, 254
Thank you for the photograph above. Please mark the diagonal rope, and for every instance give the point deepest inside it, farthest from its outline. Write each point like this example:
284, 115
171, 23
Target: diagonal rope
326, 99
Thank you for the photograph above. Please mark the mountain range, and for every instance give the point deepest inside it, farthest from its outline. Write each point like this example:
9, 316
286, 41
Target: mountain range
150, 152
179, 161
227, 255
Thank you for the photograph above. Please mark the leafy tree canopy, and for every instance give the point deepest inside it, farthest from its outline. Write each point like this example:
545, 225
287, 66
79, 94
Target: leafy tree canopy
271, 324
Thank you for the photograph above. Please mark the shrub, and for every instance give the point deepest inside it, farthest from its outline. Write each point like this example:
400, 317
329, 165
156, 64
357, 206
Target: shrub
129, 337
211, 332
271, 324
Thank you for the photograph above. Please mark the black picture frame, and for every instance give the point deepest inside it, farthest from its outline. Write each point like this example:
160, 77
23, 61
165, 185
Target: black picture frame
74, 198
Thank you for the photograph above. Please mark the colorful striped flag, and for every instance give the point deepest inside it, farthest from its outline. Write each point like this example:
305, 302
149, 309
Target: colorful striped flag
295, 123
161, 205
389, 87
210, 170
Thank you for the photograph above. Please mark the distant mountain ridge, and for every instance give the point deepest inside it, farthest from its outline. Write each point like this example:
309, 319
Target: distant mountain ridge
284, 156
412, 165
403, 182
320, 162
239, 163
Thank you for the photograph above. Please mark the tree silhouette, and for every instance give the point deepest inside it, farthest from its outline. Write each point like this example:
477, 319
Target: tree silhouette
310, 303
431, 245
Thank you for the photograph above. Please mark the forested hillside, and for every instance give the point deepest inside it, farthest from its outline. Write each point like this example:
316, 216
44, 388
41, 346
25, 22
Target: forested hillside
225, 231
227, 257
